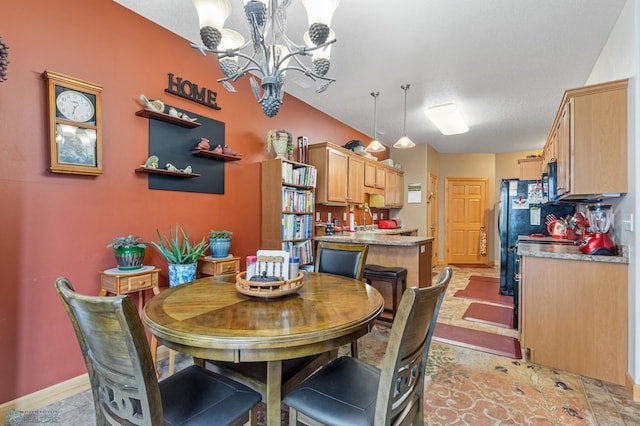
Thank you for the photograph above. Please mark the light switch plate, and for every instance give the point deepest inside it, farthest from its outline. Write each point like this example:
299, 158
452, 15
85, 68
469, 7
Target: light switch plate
317, 216
627, 222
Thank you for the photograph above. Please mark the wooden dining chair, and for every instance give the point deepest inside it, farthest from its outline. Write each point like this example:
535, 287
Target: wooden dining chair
123, 380
341, 259
351, 392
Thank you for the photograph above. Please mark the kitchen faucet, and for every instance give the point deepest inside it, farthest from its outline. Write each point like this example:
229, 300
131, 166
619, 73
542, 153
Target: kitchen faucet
367, 210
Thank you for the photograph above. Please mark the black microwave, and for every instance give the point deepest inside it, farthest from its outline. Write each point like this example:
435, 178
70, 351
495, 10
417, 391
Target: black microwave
550, 181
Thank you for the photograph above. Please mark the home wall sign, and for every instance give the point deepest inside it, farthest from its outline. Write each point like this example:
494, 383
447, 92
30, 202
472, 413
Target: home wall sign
188, 90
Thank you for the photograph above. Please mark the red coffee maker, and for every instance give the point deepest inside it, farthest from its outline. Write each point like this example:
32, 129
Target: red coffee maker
600, 221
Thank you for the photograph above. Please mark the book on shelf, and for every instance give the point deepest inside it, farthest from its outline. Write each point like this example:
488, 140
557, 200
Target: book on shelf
299, 175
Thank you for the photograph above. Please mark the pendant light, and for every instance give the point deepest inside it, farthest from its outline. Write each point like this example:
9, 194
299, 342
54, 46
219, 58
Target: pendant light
375, 145
404, 141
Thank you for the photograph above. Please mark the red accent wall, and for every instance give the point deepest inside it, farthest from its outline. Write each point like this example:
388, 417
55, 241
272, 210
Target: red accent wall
58, 225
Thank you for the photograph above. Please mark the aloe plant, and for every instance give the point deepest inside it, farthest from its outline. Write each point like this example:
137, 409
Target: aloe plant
177, 248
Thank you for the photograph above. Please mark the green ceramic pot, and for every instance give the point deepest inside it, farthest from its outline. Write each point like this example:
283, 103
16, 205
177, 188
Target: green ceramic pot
129, 258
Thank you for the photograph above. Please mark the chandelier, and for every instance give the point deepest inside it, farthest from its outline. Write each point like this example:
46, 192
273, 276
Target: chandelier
272, 51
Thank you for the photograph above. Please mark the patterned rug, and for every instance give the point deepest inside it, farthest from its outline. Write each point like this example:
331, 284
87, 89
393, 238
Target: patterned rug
467, 387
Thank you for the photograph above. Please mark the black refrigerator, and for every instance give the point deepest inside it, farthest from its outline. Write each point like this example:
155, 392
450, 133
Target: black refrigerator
523, 211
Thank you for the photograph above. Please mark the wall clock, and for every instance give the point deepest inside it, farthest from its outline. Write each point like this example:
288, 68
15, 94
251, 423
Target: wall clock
74, 115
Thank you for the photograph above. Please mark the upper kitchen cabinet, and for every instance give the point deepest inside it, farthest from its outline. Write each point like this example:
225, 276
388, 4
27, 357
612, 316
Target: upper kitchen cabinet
393, 194
374, 178
589, 139
530, 168
340, 175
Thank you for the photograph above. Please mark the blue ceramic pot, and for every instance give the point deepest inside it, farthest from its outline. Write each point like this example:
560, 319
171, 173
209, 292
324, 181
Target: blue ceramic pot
180, 274
219, 247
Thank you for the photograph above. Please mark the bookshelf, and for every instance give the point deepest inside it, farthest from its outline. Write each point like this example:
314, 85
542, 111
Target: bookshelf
288, 204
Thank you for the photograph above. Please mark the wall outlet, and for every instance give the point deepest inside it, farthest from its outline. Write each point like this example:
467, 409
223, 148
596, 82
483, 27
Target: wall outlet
329, 217
627, 222
344, 216
381, 216
375, 216
317, 216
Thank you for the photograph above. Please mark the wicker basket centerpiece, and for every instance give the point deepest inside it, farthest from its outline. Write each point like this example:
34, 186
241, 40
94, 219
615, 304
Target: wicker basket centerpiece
268, 289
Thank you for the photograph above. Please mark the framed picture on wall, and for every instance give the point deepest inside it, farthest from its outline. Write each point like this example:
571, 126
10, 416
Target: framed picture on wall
74, 115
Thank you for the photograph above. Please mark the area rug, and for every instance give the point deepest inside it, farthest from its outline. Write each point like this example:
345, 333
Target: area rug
500, 316
492, 343
472, 265
466, 387
484, 291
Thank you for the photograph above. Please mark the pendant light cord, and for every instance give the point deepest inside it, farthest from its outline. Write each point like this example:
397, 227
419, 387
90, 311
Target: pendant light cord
405, 88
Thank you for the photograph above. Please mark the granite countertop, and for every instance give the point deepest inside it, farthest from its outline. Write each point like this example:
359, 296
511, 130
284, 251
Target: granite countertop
567, 252
377, 237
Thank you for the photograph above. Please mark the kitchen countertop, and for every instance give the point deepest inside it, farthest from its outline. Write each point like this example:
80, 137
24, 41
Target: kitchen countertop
388, 237
543, 248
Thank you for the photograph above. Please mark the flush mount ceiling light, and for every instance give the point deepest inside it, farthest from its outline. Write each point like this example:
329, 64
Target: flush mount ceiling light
447, 119
375, 145
404, 141
272, 49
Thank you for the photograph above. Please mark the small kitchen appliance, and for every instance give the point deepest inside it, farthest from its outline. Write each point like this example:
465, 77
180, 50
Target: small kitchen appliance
387, 224
600, 221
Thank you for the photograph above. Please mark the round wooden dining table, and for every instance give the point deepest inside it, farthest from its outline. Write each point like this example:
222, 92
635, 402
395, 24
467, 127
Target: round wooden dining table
210, 320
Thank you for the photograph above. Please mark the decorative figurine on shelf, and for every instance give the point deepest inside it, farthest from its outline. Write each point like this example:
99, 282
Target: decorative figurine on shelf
280, 141
217, 149
187, 169
186, 117
156, 105
204, 144
174, 112
152, 162
228, 151
172, 168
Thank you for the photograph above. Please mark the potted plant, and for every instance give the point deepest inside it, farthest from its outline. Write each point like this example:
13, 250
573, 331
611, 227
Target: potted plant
279, 140
220, 242
129, 252
181, 255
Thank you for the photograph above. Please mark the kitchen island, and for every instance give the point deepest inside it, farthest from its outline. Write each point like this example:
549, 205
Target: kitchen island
573, 310
387, 247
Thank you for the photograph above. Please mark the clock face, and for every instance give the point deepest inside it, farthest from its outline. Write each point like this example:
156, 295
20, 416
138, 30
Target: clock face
75, 106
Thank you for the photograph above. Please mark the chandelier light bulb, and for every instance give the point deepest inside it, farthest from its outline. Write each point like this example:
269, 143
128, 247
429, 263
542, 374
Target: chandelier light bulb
319, 13
212, 15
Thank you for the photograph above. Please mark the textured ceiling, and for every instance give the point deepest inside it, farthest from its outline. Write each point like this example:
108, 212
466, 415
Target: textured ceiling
506, 63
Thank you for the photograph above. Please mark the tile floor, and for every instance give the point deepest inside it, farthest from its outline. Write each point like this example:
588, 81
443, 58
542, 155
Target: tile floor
611, 403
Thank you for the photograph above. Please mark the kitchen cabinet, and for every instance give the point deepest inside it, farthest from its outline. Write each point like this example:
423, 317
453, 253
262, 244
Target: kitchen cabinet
355, 180
374, 178
589, 137
573, 316
344, 177
393, 190
288, 203
530, 168
340, 175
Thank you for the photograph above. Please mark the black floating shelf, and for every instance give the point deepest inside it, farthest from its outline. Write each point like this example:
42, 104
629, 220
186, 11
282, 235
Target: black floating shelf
147, 113
211, 154
149, 170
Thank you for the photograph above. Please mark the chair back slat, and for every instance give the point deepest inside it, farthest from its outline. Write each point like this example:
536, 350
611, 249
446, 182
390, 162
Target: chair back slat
401, 385
117, 356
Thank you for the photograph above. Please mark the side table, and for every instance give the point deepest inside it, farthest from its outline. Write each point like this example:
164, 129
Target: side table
124, 282
208, 266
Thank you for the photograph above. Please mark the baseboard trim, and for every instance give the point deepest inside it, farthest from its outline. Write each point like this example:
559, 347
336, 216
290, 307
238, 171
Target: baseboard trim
634, 388
44, 397
57, 392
